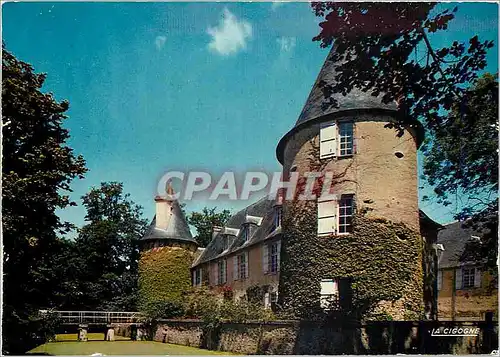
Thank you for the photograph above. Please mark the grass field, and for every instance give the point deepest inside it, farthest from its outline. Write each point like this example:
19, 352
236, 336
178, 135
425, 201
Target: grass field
68, 345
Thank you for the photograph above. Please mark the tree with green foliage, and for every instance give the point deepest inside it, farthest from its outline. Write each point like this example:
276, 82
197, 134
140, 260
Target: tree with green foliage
37, 169
205, 221
385, 49
108, 249
461, 159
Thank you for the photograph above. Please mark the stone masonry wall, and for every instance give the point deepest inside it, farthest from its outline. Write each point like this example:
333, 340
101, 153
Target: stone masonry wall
256, 274
307, 337
470, 304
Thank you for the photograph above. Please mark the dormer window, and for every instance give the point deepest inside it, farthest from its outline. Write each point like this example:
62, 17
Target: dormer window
226, 242
245, 233
278, 213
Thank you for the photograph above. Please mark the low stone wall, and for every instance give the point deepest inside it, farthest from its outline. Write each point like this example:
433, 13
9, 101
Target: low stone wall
308, 337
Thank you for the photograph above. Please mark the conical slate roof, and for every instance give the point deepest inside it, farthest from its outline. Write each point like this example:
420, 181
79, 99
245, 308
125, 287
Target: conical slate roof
314, 108
355, 99
178, 228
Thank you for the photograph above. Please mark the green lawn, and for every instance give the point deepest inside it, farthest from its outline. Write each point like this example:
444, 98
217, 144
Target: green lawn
68, 346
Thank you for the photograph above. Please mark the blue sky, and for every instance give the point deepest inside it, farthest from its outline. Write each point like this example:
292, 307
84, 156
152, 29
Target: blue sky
160, 86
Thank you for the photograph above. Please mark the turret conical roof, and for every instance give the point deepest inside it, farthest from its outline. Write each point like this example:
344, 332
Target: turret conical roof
177, 228
355, 99
314, 108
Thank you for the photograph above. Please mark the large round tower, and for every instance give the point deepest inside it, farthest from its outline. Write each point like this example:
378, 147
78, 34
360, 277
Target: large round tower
167, 252
362, 248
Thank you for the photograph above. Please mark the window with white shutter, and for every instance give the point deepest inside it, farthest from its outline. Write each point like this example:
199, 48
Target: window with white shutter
440, 280
267, 301
329, 292
327, 217
328, 140
274, 254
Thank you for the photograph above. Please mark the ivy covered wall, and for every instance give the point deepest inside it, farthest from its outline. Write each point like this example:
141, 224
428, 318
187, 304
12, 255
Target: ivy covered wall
164, 274
382, 259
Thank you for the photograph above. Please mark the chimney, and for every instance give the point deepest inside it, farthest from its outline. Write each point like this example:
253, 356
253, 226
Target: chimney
215, 231
164, 208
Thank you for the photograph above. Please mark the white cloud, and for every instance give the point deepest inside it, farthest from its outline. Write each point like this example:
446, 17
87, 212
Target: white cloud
276, 4
230, 36
160, 42
286, 43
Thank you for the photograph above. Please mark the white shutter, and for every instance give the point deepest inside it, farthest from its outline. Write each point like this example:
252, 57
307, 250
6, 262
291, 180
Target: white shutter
440, 280
279, 254
458, 278
327, 217
235, 267
477, 278
265, 258
194, 277
246, 265
328, 140
267, 301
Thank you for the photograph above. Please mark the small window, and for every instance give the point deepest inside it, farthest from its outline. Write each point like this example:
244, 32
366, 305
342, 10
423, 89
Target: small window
278, 212
345, 139
222, 268
245, 233
329, 293
440, 280
226, 242
468, 275
197, 277
346, 209
274, 257
242, 266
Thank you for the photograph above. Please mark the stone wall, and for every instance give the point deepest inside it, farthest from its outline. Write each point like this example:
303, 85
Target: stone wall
256, 276
307, 337
470, 304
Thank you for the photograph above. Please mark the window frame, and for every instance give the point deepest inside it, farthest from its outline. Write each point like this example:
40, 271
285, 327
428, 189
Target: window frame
343, 140
325, 298
345, 216
468, 275
242, 266
245, 232
222, 272
340, 136
277, 218
273, 255
197, 277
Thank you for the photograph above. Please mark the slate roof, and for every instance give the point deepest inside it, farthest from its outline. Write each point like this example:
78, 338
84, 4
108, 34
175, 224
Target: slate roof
355, 99
454, 238
178, 228
263, 208
314, 110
